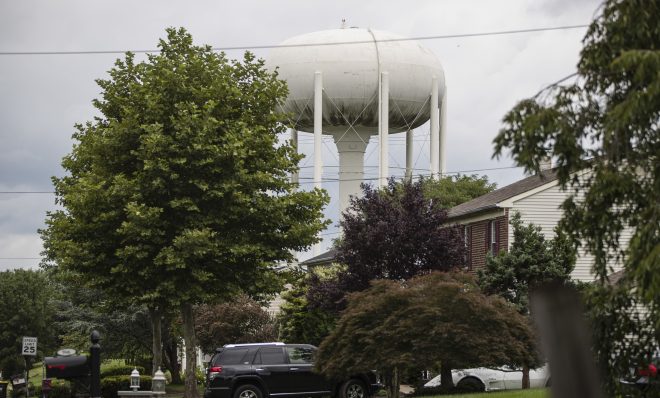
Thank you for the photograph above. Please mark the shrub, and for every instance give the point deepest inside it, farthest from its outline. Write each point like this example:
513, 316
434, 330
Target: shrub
111, 384
121, 370
59, 389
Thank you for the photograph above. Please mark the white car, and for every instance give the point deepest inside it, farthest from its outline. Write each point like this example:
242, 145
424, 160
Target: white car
493, 379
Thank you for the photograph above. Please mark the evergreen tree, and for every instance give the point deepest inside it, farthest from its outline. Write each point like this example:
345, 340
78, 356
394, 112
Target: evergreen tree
602, 129
531, 261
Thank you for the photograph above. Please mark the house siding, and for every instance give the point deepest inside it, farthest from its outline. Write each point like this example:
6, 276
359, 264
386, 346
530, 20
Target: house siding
543, 209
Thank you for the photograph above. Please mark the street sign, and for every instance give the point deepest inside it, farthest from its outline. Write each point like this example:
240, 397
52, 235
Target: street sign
29, 346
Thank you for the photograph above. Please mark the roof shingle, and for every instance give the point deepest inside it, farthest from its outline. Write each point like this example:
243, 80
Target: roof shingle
491, 199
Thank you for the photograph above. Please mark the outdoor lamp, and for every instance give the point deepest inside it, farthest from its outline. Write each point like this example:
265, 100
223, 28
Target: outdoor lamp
135, 380
158, 382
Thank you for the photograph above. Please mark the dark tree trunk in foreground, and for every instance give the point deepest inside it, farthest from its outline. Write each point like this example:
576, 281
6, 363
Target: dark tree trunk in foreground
190, 390
392, 383
156, 315
446, 379
525, 377
170, 356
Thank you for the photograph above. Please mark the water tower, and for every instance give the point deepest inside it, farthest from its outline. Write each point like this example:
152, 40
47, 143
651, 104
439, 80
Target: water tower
353, 83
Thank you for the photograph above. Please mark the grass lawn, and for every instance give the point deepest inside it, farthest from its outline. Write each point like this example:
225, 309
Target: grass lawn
533, 393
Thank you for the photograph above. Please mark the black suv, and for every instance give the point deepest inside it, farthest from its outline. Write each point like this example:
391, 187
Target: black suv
277, 370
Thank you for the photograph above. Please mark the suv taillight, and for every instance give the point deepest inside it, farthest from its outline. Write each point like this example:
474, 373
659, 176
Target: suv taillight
651, 371
214, 371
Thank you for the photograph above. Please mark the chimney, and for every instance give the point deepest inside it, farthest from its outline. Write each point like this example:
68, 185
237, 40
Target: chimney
545, 163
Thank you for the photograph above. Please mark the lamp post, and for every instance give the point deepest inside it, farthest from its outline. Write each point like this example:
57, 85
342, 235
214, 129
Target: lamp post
135, 379
158, 382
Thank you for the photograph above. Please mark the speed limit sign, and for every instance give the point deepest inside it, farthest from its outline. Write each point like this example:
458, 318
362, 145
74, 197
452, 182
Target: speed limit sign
29, 346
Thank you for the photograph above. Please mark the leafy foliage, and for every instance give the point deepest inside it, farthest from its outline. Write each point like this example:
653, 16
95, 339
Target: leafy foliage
26, 309
451, 191
606, 122
181, 182
393, 233
299, 321
125, 332
112, 384
603, 132
530, 261
241, 320
437, 317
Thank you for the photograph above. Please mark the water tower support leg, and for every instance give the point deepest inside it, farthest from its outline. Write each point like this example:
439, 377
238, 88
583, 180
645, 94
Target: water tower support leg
294, 144
435, 130
383, 133
318, 128
318, 139
409, 154
443, 133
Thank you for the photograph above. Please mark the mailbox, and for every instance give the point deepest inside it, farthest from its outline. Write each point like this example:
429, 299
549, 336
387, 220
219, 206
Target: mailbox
71, 367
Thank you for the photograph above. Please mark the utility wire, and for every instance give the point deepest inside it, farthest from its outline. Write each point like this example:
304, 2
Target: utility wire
266, 46
326, 179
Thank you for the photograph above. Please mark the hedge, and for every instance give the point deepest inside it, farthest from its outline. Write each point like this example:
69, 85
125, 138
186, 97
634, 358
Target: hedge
120, 370
58, 390
111, 384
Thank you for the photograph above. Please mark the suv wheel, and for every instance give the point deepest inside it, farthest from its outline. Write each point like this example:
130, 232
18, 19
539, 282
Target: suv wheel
248, 391
353, 389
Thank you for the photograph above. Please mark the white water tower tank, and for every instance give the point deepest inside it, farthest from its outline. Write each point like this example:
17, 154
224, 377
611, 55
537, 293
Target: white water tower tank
365, 73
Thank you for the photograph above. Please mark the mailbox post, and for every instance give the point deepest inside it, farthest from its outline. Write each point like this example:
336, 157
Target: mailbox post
95, 366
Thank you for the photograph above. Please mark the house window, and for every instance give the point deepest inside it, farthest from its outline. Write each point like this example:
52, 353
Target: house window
493, 237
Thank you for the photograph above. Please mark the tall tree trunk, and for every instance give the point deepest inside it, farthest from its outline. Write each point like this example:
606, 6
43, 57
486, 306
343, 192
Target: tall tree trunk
170, 355
446, 379
525, 376
156, 315
393, 383
190, 390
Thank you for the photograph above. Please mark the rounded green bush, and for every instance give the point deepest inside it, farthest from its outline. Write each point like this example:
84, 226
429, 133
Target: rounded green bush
111, 384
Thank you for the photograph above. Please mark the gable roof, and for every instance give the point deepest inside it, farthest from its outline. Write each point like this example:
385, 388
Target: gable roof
321, 259
491, 199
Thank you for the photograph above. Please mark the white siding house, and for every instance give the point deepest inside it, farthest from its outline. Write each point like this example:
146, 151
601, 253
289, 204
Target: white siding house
538, 199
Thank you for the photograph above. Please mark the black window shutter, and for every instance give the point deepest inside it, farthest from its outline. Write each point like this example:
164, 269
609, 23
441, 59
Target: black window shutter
488, 227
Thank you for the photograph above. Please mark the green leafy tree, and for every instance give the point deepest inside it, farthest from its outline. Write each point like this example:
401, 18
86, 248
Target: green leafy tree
178, 192
300, 322
440, 317
241, 320
451, 191
605, 123
532, 260
26, 309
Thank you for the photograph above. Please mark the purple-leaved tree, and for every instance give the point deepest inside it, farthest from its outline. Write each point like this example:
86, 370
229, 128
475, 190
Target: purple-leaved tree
395, 233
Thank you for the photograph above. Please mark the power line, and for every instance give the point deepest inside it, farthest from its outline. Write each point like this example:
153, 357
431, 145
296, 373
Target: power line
20, 258
332, 179
267, 46
327, 179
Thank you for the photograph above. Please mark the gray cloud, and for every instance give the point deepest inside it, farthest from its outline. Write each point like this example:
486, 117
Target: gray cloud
41, 97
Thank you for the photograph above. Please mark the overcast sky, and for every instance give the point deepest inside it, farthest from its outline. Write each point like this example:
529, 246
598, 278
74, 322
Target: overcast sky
43, 96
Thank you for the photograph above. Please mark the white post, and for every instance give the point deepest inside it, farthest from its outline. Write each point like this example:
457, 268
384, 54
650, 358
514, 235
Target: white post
318, 139
383, 133
435, 130
294, 144
409, 154
318, 128
443, 133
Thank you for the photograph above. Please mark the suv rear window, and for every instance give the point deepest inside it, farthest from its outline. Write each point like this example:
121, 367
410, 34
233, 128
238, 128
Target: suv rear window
300, 355
230, 356
270, 356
